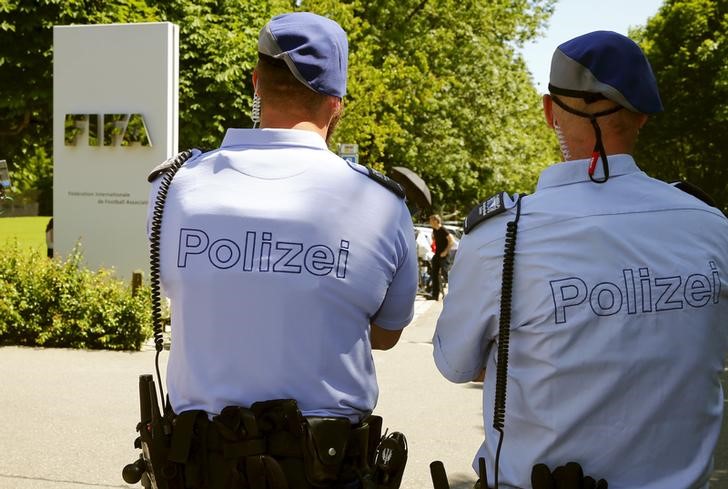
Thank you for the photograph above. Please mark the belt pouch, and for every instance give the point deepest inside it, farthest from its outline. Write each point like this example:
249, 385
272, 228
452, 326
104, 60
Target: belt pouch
185, 447
324, 448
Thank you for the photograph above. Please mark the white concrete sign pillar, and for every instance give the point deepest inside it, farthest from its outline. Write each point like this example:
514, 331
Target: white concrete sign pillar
115, 111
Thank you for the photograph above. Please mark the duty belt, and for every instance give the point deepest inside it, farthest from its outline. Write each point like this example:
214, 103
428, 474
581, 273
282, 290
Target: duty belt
269, 443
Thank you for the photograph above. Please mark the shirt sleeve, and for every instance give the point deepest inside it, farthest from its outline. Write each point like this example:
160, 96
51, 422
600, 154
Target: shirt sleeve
467, 325
398, 307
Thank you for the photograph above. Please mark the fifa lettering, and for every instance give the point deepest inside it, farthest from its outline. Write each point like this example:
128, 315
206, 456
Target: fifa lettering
259, 252
106, 130
653, 294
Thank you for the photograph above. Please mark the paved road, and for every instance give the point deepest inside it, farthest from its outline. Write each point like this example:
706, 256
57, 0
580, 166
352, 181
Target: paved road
68, 416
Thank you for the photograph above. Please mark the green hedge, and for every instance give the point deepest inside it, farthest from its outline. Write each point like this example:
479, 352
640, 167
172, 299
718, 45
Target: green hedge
57, 303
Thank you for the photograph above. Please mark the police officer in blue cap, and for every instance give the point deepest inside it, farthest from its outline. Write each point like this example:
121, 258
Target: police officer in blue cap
285, 266
595, 309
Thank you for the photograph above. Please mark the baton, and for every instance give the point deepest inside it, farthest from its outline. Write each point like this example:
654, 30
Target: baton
439, 477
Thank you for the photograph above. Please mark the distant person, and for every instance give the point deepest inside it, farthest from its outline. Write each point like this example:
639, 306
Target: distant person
442, 243
618, 305
286, 266
49, 238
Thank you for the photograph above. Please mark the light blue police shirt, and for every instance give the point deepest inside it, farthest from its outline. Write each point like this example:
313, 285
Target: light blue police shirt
618, 330
276, 256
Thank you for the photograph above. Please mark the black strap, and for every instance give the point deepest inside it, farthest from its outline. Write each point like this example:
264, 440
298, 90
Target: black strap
588, 97
386, 182
264, 472
695, 191
599, 150
379, 177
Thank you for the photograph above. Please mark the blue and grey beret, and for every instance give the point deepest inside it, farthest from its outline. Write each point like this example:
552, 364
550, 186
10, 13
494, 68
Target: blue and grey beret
313, 47
607, 64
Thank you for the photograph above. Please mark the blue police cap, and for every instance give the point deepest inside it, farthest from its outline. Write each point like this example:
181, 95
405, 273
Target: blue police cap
314, 48
609, 64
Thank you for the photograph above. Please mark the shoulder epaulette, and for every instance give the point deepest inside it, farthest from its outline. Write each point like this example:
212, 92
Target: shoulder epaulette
492, 206
695, 191
167, 164
380, 178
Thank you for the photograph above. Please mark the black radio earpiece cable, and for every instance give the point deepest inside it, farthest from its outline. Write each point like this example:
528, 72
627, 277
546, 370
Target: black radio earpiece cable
504, 332
154, 266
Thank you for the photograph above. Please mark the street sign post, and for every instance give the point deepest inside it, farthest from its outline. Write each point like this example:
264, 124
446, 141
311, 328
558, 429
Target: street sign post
349, 152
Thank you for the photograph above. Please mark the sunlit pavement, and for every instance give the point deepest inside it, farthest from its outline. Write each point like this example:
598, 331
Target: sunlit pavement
69, 415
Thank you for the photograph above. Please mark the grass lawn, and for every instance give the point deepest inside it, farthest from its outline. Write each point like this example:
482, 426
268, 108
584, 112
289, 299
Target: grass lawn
28, 231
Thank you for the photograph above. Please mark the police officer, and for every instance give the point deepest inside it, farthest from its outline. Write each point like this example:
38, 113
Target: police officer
619, 296
285, 265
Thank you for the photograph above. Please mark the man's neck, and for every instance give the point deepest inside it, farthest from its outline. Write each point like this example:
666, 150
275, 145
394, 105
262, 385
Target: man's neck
300, 125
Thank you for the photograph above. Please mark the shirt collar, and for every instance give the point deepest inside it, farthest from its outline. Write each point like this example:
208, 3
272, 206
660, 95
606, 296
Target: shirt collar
273, 137
577, 171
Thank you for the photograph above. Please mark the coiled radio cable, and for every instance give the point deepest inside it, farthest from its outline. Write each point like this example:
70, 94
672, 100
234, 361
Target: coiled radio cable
504, 332
154, 264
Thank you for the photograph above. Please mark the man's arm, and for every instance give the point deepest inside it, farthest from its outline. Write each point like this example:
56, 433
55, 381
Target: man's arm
397, 308
384, 339
464, 332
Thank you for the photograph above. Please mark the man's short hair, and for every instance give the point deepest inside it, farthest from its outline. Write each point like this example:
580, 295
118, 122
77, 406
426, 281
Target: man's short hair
276, 84
436, 217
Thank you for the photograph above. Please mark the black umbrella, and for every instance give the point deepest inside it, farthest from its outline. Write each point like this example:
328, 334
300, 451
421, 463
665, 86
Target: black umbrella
415, 188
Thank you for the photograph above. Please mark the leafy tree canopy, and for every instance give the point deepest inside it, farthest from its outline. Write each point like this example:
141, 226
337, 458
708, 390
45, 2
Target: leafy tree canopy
435, 86
687, 45
26, 61
438, 87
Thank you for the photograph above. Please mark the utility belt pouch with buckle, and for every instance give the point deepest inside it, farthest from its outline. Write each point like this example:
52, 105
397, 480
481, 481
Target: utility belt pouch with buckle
325, 447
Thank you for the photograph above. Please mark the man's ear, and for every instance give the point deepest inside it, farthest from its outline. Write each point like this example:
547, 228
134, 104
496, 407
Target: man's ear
642, 120
548, 109
335, 104
255, 80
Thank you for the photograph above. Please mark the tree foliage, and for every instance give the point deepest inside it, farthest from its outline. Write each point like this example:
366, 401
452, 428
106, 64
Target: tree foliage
218, 51
435, 86
26, 61
687, 45
438, 87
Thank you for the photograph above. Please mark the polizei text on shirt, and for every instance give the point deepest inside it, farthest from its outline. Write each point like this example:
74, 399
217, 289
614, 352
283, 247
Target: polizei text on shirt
636, 291
259, 252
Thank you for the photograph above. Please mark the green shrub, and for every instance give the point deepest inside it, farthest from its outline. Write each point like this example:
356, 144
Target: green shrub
56, 303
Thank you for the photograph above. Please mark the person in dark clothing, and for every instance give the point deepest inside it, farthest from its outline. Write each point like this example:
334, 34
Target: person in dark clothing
49, 238
443, 242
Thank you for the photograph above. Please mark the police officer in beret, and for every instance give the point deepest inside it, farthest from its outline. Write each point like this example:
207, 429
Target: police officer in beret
616, 306
285, 265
